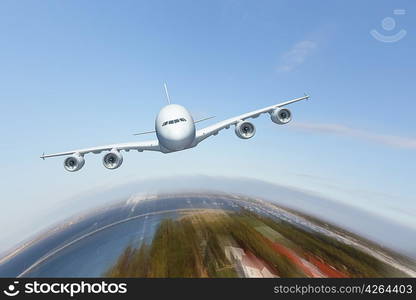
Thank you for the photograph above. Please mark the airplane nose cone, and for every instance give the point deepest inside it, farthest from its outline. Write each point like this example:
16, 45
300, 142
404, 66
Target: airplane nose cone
178, 135
175, 128
178, 139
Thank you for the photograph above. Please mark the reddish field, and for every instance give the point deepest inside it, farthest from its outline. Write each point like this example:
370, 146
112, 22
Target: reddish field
319, 269
325, 268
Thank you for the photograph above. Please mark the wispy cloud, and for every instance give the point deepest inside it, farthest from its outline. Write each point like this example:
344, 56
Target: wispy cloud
384, 139
296, 56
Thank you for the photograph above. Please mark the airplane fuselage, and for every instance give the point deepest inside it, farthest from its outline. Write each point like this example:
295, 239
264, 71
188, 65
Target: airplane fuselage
175, 128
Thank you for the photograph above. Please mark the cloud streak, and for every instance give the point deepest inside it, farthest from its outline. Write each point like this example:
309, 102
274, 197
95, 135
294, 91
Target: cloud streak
336, 129
296, 56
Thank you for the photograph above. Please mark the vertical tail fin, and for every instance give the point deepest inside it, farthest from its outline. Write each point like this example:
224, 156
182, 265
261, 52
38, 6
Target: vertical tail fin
167, 94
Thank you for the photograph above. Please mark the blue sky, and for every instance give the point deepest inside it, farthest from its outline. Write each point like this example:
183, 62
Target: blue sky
84, 73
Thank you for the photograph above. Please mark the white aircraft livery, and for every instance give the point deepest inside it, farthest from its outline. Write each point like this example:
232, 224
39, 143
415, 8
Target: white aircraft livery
175, 131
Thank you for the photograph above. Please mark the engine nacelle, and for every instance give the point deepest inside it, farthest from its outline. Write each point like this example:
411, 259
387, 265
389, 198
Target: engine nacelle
245, 129
74, 162
113, 159
281, 116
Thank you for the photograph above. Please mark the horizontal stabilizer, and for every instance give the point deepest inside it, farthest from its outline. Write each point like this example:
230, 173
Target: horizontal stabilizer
145, 132
204, 119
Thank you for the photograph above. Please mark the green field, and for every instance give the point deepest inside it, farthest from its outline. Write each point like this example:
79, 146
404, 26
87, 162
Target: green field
194, 246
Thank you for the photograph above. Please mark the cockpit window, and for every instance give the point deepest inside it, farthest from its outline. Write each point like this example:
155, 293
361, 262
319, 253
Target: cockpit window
174, 121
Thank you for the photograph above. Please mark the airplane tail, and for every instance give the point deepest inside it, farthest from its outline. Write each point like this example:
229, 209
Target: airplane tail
167, 94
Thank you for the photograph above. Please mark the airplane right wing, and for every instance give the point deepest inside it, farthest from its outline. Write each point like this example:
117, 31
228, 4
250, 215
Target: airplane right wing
206, 132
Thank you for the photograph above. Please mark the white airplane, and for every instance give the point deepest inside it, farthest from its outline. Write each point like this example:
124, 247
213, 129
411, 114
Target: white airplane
175, 131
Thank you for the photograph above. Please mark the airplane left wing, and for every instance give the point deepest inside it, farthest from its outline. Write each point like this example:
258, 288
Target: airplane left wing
206, 132
139, 146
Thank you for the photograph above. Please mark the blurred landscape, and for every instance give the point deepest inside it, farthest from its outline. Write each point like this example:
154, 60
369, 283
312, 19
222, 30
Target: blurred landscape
209, 243
205, 234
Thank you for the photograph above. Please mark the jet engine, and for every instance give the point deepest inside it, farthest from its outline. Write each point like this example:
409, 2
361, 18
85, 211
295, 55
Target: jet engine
113, 159
74, 162
245, 130
281, 116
